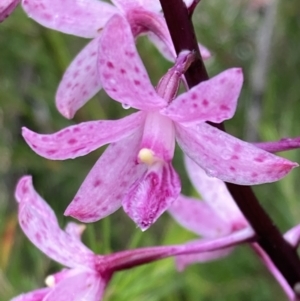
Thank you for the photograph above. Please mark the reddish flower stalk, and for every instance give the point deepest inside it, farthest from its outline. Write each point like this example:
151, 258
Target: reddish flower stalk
270, 239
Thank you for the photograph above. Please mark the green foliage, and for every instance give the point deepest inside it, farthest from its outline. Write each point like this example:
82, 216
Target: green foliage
32, 61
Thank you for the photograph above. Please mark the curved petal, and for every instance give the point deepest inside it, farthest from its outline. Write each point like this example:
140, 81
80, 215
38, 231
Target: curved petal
25, 193
125, 5
7, 7
215, 193
198, 217
228, 158
213, 100
102, 191
85, 286
80, 81
44, 232
121, 70
36, 295
81, 139
83, 18
152, 194
182, 261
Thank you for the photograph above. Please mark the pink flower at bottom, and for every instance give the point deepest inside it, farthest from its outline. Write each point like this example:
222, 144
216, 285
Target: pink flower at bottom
87, 274
81, 280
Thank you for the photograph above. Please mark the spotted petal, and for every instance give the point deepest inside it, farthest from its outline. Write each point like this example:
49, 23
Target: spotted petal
199, 217
81, 139
83, 18
80, 81
213, 100
25, 192
102, 191
228, 158
121, 70
44, 232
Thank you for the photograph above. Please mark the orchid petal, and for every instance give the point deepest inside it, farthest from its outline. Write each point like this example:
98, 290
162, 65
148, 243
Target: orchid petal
182, 261
84, 18
36, 295
86, 286
45, 233
81, 139
125, 5
7, 7
215, 193
121, 70
102, 191
213, 100
80, 81
199, 217
152, 194
228, 158
25, 193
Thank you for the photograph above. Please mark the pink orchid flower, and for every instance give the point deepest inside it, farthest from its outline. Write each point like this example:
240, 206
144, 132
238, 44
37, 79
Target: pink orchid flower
216, 216
87, 18
87, 274
39, 223
136, 170
7, 7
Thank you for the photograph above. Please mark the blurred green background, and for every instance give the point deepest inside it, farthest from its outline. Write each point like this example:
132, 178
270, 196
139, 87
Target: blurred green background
263, 41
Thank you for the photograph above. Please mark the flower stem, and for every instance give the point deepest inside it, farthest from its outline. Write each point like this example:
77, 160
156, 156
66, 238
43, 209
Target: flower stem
130, 258
269, 238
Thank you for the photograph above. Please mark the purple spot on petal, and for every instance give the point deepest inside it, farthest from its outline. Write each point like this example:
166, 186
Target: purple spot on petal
97, 183
110, 65
51, 151
224, 107
259, 159
72, 141
205, 102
